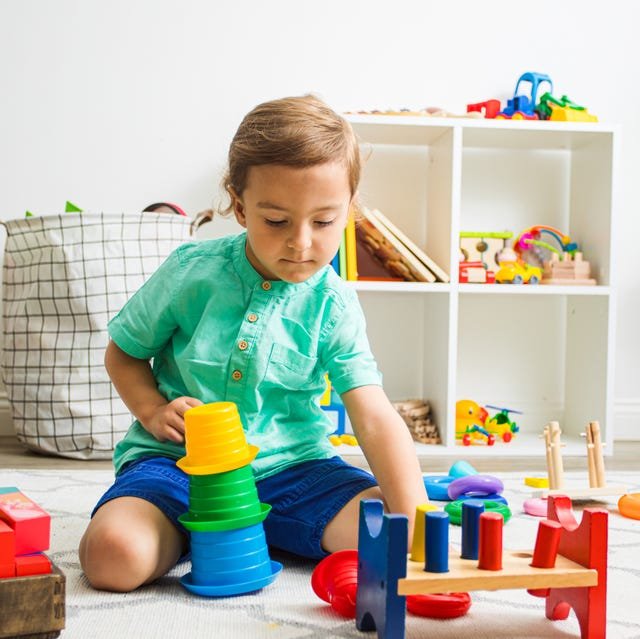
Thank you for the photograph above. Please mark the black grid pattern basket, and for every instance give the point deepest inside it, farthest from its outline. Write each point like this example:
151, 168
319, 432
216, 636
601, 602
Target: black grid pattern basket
65, 276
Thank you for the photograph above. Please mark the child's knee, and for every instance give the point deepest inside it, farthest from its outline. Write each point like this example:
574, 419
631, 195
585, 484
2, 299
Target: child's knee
112, 559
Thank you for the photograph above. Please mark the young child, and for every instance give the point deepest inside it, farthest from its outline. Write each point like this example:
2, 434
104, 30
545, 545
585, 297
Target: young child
256, 319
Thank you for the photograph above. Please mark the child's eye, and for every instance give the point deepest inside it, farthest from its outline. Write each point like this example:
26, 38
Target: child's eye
276, 223
325, 222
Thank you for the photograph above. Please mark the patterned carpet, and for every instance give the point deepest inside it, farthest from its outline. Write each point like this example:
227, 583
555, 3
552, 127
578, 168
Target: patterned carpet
288, 608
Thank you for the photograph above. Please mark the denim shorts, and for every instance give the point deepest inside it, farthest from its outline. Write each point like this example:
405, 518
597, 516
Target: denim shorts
304, 498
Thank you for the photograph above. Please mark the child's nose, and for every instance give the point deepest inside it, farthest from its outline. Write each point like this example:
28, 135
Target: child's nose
300, 239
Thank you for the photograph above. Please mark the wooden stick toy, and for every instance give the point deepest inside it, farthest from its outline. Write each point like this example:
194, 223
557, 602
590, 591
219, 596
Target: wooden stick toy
568, 567
598, 486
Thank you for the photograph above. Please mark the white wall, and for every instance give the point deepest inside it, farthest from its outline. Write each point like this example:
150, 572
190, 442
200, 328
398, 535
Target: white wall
113, 105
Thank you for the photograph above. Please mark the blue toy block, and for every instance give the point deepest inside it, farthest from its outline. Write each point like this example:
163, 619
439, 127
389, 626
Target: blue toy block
436, 550
382, 561
471, 511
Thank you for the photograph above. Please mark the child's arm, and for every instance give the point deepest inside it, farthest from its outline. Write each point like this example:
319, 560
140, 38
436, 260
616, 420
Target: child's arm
387, 445
136, 385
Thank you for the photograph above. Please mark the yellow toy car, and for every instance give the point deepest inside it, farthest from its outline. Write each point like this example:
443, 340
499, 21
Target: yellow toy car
518, 273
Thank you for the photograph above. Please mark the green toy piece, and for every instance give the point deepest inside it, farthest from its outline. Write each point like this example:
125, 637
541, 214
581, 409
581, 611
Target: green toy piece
69, 207
28, 214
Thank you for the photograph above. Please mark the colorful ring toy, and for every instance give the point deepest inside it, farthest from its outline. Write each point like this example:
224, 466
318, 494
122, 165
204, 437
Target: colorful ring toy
629, 505
476, 485
454, 510
437, 486
437, 606
492, 497
537, 506
462, 469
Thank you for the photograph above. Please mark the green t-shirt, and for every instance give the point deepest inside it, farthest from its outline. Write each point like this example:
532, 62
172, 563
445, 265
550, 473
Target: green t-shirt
217, 331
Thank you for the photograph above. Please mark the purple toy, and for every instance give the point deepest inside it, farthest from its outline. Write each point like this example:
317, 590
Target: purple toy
474, 485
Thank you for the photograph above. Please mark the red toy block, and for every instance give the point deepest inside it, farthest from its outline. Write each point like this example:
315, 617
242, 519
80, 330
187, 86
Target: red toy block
31, 524
7, 544
586, 544
37, 564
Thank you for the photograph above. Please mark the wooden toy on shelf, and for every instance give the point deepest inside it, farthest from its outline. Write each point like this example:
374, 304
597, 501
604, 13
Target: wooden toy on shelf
595, 463
567, 269
575, 577
416, 414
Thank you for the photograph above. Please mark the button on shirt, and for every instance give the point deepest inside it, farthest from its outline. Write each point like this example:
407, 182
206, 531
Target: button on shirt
217, 331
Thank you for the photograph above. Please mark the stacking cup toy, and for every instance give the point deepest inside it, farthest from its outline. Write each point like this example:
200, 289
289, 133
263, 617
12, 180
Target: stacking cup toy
223, 501
229, 553
215, 440
229, 563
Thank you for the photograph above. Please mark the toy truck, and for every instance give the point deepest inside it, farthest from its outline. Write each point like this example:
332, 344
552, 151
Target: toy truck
522, 106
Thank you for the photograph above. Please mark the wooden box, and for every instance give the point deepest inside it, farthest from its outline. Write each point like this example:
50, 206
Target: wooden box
32, 607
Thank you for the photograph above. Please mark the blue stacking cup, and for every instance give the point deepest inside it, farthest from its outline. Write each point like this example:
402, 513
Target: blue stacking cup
230, 557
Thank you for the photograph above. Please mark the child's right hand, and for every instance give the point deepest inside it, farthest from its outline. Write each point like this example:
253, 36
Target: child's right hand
166, 423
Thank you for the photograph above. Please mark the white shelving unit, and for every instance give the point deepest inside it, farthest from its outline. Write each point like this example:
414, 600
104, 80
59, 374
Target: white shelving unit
545, 350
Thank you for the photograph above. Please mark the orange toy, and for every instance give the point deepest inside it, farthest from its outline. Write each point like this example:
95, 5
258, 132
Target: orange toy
629, 505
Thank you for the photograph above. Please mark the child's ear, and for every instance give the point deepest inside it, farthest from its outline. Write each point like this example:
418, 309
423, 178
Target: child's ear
238, 207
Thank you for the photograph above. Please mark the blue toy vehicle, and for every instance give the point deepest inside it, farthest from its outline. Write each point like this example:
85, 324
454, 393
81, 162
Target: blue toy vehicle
523, 107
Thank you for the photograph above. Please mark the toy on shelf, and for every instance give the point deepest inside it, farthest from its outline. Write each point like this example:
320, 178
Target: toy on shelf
518, 272
568, 565
567, 269
470, 419
430, 112
229, 552
475, 273
562, 110
523, 104
416, 414
595, 462
560, 258
501, 425
488, 109
346, 439
484, 247
32, 589
331, 403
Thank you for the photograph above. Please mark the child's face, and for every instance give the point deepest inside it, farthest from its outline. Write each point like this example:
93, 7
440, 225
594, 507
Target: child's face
294, 218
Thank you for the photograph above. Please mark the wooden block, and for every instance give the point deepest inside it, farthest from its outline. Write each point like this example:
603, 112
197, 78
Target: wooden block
7, 544
33, 606
516, 572
31, 524
37, 564
584, 493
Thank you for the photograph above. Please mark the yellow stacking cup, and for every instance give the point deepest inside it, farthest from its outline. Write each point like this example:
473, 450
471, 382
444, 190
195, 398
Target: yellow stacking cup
214, 439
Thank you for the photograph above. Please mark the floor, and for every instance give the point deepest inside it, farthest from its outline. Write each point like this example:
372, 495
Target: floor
626, 457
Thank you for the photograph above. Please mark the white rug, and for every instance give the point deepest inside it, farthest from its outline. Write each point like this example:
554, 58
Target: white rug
288, 608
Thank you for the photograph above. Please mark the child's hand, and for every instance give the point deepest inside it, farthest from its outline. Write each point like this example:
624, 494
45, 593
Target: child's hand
167, 421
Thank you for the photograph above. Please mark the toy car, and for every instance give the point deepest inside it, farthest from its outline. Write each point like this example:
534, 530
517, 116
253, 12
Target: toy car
522, 107
518, 273
501, 425
470, 419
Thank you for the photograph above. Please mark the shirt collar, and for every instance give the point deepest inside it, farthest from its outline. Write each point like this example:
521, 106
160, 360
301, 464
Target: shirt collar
253, 279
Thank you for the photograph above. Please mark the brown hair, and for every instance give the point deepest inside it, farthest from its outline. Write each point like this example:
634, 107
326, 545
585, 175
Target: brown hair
297, 132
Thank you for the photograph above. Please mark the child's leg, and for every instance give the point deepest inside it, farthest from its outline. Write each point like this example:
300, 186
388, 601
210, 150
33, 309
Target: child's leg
315, 506
341, 533
129, 542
